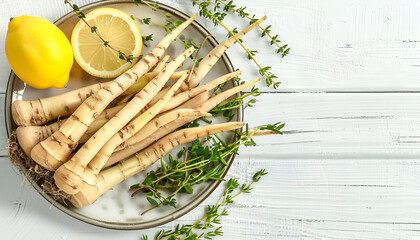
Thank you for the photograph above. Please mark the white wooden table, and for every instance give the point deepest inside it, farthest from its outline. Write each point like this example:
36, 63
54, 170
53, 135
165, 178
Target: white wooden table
347, 166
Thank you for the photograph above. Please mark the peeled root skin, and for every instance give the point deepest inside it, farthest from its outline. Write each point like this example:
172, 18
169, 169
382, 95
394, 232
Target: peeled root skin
114, 175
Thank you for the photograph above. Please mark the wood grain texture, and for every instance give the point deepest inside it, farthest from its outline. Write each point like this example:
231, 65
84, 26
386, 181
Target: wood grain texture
347, 166
339, 125
342, 45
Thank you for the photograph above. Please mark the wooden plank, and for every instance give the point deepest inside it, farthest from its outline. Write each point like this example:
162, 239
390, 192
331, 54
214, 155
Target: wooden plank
334, 125
335, 45
328, 199
305, 199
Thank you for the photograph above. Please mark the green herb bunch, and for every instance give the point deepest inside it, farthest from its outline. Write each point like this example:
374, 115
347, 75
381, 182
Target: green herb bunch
205, 227
196, 164
227, 108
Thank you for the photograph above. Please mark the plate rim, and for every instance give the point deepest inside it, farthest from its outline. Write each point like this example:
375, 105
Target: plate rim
114, 225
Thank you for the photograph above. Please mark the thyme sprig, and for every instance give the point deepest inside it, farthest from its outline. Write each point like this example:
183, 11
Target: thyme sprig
281, 49
154, 7
94, 30
206, 226
217, 19
168, 27
226, 108
147, 39
196, 164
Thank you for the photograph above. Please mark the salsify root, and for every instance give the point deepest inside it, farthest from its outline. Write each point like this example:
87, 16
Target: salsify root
130, 129
95, 166
43, 110
101, 158
29, 136
69, 176
154, 126
136, 87
54, 151
207, 63
214, 55
181, 97
194, 102
114, 175
137, 142
184, 96
139, 85
159, 67
100, 121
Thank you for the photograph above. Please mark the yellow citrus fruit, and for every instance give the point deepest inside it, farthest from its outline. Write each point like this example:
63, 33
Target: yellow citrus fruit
38, 52
120, 33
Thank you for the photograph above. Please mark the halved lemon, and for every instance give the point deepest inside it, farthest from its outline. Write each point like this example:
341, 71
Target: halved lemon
120, 33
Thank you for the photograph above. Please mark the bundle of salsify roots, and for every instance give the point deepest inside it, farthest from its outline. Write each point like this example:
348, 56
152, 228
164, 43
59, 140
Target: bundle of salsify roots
134, 134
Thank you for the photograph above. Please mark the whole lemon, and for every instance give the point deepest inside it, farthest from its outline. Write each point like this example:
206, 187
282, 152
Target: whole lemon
38, 52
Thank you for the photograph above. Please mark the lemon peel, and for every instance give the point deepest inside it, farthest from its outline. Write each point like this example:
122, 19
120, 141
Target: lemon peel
38, 52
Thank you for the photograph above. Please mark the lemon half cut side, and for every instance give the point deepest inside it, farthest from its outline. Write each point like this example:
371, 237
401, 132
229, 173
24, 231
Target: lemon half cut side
120, 32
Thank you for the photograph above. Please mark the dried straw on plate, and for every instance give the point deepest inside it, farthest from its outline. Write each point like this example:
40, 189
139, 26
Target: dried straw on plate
34, 173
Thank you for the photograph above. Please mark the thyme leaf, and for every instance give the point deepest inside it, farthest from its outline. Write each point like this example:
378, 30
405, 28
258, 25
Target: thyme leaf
206, 227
